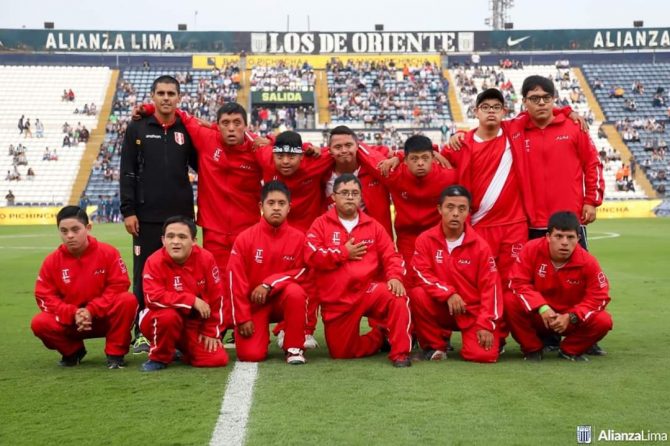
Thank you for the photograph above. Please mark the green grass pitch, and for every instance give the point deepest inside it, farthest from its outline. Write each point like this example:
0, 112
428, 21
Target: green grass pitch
348, 402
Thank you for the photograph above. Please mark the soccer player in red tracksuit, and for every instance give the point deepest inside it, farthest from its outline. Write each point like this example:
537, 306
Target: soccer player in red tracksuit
358, 273
376, 202
560, 164
558, 287
264, 270
459, 286
82, 292
184, 300
415, 187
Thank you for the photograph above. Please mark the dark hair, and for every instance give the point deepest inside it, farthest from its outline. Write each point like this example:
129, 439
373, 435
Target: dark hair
288, 138
183, 220
72, 212
275, 186
455, 190
164, 79
490, 93
232, 108
418, 143
534, 81
346, 178
342, 130
563, 221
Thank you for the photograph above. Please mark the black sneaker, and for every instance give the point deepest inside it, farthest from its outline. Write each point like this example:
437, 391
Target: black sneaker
153, 366
115, 362
595, 350
575, 358
552, 342
501, 347
73, 359
401, 363
534, 356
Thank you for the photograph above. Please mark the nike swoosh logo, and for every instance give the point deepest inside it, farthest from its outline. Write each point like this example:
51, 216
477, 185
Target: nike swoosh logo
514, 42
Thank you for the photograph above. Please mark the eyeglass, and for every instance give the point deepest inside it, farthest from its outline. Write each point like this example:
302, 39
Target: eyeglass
487, 108
349, 193
547, 98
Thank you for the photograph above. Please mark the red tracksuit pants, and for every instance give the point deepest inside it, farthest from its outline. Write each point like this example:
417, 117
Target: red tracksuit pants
114, 327
505, 242
310, 288
220, 244
167, 330
287, 306
433, 325
528, 327
342, 329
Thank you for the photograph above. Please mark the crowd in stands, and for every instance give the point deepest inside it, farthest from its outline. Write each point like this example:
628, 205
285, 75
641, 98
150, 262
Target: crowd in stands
68, 95
265, 120
282, 77
376, 93
491, 77
210, 93
19, 158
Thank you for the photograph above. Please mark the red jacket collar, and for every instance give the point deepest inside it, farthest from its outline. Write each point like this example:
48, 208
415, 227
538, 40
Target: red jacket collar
436, 233
331, 215
189, 262
273, 230
576, 260
92, 246
558, 119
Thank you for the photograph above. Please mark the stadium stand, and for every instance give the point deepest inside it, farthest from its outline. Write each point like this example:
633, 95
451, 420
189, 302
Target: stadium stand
36, 92
472, 80
635, 98
373, 94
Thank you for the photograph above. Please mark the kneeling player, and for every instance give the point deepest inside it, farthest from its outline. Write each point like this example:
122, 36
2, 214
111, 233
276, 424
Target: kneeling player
358, 274
184, 301
557, 287
264, 270
459, 286
82, 290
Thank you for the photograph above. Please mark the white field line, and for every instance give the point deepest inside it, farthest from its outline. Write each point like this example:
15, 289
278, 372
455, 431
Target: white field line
29, 248
604, 236
231, 426
25, 236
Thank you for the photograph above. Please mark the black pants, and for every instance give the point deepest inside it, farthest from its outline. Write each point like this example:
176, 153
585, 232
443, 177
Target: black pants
534, 233
148, 242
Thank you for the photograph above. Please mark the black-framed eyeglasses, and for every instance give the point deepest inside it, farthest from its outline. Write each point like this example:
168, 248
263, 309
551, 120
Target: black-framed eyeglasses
547, 98
487, 108
349, 193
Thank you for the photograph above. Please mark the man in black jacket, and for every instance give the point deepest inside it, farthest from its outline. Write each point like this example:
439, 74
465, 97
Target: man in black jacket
154, 179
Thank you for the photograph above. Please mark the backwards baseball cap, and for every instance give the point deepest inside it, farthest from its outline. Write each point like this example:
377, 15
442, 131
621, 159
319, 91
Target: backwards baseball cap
288, 142
490, 93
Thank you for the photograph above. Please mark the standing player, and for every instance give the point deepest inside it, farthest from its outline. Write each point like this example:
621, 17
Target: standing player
459, 287
154, 179
558, 288
184, 299
265, 265
358, 274
82, 292
415, 188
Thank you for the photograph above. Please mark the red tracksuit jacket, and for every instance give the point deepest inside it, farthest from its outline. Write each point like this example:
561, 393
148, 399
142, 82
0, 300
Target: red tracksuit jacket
580, 286
263, 254
339, 279
415, 199
469, 271
307, 197
560, 165
66, 283
376, 197
229, 179
170, 285
477, 162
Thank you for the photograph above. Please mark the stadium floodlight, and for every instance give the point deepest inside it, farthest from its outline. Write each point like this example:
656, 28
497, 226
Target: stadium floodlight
638, 23
48, 25
182, 27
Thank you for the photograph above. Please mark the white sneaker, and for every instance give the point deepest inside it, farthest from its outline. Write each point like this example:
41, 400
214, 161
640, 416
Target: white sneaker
310, 342
436, 355
280, 339
294, 356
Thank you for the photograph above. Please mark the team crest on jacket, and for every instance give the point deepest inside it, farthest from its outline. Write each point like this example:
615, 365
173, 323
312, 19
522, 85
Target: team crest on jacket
258, 258
179, 138
439, 256
542, 271
176, 283
215, 274
66, 275
217, 154
122, 265
492, 264
336, 238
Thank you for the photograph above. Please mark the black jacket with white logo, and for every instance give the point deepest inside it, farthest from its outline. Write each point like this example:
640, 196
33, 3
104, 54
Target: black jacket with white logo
154, 171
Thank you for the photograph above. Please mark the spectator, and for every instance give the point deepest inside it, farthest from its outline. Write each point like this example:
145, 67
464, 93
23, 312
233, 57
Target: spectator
70, 95
39, 129
30, 174
66, 141
21, 124
46, 156
11, 199
27, 132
